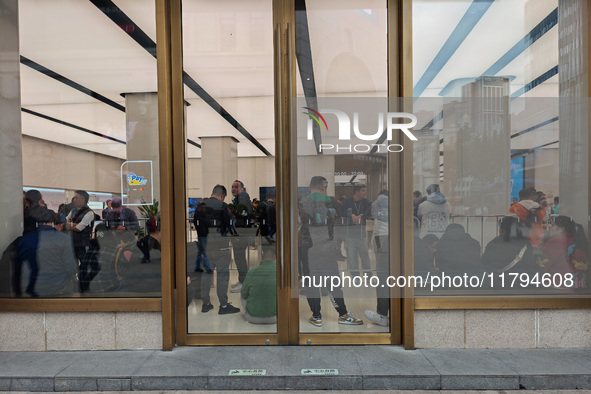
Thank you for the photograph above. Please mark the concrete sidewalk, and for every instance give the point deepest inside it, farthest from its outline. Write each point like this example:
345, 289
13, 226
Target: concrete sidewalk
296, 368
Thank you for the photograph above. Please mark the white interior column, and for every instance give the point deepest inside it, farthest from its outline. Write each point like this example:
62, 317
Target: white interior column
141, 112
219, 157
11, 161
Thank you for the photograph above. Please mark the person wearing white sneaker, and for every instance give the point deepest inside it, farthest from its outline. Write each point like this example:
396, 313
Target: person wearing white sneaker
318, 252
376, 318
379, 211
218, 253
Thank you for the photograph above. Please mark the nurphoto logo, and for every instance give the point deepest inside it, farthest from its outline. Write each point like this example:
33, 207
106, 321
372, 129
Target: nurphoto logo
390, 119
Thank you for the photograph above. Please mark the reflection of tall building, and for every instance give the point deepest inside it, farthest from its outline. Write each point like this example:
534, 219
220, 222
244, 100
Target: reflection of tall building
574, 92
425, 155
476, 148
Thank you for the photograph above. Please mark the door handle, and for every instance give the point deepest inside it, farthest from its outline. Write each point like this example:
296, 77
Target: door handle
278, 45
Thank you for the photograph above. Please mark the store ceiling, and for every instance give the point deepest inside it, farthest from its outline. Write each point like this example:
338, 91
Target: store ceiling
228, 51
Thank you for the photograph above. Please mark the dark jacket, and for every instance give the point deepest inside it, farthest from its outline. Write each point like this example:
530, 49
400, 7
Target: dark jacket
457, 252
500, 253
201, 223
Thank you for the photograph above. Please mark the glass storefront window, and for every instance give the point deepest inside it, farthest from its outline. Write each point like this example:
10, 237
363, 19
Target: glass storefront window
84, 141
501, 162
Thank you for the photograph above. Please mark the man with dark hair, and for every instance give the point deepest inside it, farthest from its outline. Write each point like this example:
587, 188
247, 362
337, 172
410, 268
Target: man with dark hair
219, 254
319, 255
49, 257
556, 208
240, 244
417, 199
79, 221
106, 210
121, 218
241, 196
357, 209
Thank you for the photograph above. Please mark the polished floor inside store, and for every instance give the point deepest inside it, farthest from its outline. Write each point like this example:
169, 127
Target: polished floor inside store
357, 300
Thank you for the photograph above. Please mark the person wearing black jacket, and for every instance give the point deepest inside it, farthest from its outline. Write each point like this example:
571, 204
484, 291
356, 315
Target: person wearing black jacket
511, 251
201, 223
457, 252
357, 209
219, 255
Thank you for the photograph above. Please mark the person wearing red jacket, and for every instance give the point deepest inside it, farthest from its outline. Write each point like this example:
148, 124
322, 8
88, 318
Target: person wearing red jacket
565, 251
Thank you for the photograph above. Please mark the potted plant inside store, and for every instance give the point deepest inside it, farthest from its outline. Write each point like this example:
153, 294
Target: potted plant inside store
148, 212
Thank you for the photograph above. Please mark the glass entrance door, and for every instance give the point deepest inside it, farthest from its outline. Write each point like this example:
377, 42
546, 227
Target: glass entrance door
268, 210
341, 194
231, 274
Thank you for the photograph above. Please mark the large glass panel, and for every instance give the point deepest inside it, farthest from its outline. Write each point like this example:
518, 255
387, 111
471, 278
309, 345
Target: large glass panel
79, 112
228, 88
501, 166
342, 189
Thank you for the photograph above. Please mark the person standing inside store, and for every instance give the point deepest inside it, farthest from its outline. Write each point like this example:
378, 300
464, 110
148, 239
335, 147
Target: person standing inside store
80, 222
49, 257
357, 209
106, 210
322, 252
240, 243
219, 255
380, 212
201, 223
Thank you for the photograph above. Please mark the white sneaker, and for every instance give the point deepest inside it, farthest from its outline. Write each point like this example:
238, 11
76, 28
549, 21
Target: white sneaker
236, 289
376, 318
235, 284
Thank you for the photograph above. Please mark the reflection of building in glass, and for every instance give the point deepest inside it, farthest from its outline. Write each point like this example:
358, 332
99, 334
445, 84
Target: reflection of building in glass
476, 147
573, 150
426, 155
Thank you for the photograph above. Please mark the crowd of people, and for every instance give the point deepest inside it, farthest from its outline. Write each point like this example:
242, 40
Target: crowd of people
532, 238
74, 250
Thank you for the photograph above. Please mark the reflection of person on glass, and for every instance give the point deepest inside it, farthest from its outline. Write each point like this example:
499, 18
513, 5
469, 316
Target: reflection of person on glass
565, 252
322, 252
434, 213
121, 218
201, 223
243, 205
357, 209
49, 257
219, 255
79, 222
379, 210
152, 240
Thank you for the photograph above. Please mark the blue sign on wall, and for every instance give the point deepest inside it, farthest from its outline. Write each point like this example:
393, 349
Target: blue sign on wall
517, 176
